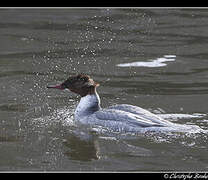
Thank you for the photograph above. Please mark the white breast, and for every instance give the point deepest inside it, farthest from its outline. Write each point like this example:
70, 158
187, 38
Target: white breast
87, 105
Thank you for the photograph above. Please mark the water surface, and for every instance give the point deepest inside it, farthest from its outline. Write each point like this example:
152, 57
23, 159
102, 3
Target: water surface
152, 58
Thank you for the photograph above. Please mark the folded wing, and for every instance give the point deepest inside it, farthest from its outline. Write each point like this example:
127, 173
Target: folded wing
129, 118
142, 113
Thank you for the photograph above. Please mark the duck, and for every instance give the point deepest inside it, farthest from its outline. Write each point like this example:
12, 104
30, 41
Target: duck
120, 117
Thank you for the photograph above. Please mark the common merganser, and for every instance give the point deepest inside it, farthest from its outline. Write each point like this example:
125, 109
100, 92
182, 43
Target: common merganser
123, 117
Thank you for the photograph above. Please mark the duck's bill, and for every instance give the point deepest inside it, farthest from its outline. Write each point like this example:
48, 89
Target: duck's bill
56, 87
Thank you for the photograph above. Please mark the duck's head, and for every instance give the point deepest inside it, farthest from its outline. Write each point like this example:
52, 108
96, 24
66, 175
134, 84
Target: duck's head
81, 84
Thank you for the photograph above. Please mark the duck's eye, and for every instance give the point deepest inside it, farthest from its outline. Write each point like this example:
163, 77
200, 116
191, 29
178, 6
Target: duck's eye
83, 79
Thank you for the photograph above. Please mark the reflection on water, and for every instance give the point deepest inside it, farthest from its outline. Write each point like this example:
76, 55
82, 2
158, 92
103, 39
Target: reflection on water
152, 58
80, 149
159, 62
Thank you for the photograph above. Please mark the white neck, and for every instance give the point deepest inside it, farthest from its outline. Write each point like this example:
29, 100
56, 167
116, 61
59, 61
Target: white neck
87, 105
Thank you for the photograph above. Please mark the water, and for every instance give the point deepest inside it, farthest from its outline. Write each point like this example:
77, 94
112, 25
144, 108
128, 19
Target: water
152, 58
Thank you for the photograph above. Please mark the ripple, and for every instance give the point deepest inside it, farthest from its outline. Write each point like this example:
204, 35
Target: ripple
9, 139
13, 107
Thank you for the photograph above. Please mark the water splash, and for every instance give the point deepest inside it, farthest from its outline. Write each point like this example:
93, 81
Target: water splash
63, 115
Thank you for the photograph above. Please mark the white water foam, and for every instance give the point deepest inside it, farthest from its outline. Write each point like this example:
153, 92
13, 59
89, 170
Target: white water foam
159, 62
181, 116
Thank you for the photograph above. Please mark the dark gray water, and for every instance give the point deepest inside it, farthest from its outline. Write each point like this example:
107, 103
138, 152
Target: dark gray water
153, 58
